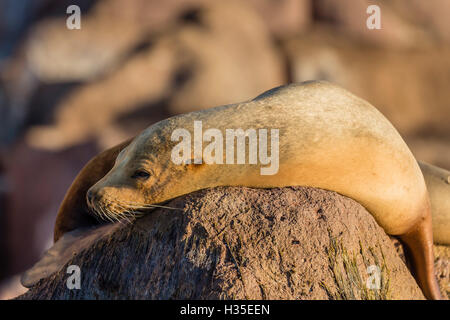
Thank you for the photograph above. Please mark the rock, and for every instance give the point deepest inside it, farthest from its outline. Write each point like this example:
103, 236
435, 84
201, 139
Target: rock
404, 24
56, 53
109, 32
349, 18
228, 56
50, 54
431, 16
442, 265
91, 110
431, 148
285, 17
240, 243
407, 86
220, 54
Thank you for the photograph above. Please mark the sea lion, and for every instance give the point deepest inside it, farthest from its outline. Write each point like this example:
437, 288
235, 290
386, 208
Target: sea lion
73, 212
438, 185
329, 139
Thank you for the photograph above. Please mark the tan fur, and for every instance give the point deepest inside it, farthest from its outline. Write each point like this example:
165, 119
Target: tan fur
329, 139
361, 155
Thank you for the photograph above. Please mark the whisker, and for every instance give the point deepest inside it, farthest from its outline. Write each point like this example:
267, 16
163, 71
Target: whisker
123, 211
107, 214
126, 213
145, 205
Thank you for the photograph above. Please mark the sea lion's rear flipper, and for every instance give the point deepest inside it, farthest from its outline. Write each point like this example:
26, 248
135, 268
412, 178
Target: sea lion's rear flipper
69, 245
419, 250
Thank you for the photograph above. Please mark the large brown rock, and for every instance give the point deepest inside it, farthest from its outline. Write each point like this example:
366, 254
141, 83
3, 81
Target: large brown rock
240, 243
442, 265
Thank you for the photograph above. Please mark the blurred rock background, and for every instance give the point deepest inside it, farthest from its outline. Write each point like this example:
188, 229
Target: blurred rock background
67, 94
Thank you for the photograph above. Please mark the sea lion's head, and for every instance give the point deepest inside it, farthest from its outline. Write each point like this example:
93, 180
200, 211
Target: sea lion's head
142, 178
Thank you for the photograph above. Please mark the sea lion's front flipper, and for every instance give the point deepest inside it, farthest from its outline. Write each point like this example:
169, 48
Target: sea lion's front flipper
69, 245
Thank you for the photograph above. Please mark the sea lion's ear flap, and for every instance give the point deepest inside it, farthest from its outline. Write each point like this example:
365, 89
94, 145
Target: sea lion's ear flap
69, 245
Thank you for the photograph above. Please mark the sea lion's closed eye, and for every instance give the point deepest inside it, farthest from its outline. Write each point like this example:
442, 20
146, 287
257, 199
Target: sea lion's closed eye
141, 175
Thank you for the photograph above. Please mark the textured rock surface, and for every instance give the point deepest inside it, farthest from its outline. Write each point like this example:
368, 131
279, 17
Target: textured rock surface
442, 265
290, 243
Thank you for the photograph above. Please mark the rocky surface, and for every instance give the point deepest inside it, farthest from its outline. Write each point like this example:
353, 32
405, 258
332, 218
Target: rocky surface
241, 243
442, 265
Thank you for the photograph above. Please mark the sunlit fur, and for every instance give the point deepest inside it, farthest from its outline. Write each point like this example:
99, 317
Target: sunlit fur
117, 210
328, 139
